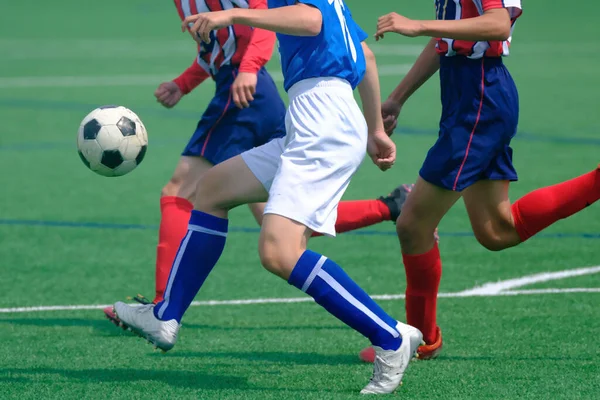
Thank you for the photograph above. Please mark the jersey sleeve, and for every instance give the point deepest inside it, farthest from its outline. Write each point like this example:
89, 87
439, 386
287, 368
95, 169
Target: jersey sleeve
261, 45
362, 35
191, 77
513, 6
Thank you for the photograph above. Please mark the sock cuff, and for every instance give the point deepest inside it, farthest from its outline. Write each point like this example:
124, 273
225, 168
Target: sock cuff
427, 258
306, 269
207, 221
180, 202
518, 221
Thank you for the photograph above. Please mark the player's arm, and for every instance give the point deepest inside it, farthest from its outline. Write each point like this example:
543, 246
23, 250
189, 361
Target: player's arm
297, 20
494, 24
380, 147
191, 78
257, 54
426, 65
169, 93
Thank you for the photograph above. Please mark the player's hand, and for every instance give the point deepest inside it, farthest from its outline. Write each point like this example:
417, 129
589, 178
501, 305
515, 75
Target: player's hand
394, 22
382, 150
168, 94
203, 24
390, 110
243, 89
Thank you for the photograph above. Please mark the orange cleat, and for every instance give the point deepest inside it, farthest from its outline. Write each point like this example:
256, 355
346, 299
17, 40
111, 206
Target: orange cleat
431, 351
109, 312
424, 352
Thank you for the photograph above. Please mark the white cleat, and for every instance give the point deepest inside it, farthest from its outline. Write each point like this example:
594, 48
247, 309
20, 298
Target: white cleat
142, 322
389, 365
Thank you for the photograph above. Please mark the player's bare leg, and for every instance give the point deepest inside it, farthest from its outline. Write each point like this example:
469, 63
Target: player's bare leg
224, 187
490, 214
416, 226
499, 225
176, 207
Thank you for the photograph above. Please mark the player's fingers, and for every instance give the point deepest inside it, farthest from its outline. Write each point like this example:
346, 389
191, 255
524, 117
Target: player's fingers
159, 92
205, 31
243, 99
249, 94
384, 17
188, 21
236, 97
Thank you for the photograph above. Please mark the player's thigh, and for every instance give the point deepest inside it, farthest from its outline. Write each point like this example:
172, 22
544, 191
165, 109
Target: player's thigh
424, 209
490, 213
185, 177
228, 185
282, 242
318, 163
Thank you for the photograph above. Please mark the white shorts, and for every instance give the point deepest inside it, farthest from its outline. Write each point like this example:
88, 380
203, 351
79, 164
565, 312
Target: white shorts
307, 172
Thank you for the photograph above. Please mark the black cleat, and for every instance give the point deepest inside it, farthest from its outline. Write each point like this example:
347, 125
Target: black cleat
395, 200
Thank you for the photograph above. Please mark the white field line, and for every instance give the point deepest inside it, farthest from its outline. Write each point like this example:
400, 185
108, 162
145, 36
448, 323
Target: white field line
493, 288
502, 288
135, 80
289, 300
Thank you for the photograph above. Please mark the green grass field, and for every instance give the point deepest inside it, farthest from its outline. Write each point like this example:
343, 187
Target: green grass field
70, 237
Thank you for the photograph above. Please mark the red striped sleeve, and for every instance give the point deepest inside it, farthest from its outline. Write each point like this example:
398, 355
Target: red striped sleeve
491, 4
191, 77
261, 45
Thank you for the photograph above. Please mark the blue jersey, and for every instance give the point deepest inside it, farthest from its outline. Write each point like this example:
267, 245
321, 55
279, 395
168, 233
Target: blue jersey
335, 52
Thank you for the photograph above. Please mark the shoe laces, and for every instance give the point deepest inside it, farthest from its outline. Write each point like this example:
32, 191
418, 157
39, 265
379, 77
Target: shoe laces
144, 308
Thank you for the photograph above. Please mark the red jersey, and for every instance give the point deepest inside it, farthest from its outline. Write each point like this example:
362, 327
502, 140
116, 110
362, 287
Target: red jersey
462, 9
236, 45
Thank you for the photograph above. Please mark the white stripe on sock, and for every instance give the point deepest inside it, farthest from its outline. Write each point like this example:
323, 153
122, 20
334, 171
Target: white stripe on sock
352, 300
201, 229
174, 270
314, 273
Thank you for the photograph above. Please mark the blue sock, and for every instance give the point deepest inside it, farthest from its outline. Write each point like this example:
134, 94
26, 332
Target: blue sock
198, 253
335, 291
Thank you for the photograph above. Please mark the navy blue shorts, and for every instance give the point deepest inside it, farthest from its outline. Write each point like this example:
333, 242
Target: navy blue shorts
225, 131
480, 112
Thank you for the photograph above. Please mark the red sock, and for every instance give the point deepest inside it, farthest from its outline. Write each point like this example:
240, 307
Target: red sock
423, 274
175, 215
543, 207
358, 214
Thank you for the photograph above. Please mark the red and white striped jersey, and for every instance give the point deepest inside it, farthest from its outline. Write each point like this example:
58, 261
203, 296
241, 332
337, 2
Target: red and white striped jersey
462, 9
238, 45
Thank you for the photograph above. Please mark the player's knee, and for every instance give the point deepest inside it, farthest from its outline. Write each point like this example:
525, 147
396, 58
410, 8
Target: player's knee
180, 186
271, 258
277, 257
410, 232
171, 188
496, 235
491, 242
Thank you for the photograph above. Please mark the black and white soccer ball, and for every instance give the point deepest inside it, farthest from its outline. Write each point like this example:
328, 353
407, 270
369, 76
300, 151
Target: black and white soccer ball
112, 140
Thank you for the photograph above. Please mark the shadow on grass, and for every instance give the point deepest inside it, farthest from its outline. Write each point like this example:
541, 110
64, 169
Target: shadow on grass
178, 379
183, 379
102, 325
272, 357
105, 326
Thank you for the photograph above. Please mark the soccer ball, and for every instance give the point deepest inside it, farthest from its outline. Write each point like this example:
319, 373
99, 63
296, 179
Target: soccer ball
112, 140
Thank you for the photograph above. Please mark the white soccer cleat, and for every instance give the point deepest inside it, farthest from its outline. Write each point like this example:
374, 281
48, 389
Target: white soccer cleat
389, 365
142, 322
